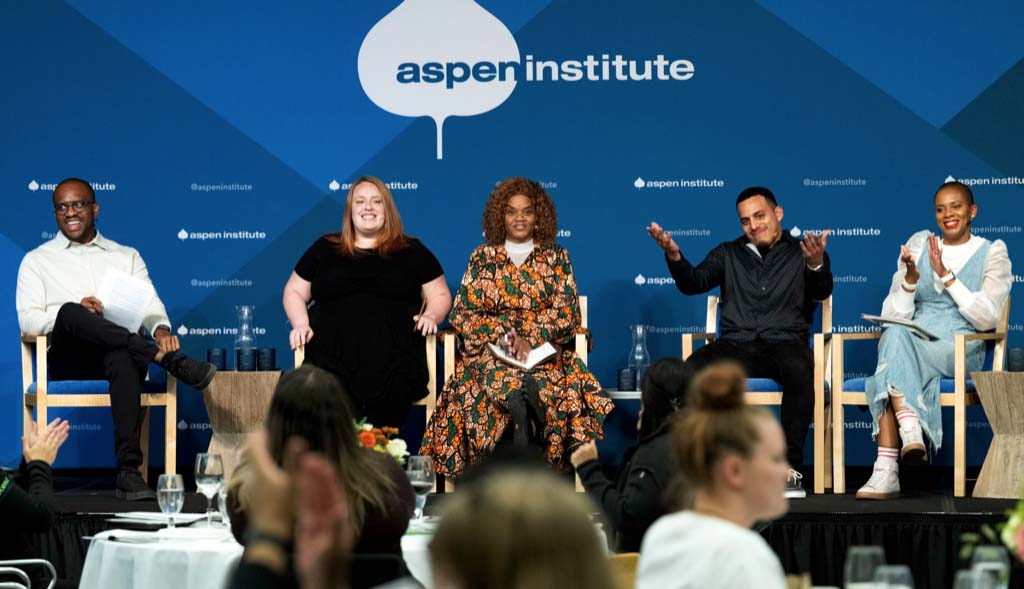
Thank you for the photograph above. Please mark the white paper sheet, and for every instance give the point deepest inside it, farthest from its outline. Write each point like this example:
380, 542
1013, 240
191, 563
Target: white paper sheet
125, 298
884, 321
535, 357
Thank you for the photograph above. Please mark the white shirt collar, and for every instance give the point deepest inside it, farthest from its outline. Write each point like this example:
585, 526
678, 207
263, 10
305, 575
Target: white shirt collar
63, 242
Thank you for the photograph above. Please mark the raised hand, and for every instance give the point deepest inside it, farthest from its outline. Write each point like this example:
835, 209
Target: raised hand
664, 240
935, 256
813, 247
43, 445
913, 274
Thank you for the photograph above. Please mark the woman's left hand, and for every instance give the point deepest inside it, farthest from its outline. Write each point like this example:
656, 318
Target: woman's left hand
935, 256
425, 324
584, 453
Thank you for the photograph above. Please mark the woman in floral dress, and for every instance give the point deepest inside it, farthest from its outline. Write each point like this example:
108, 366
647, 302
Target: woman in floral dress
518, 292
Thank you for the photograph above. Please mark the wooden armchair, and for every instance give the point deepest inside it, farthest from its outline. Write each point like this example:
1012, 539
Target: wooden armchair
41, 393
957, 392
765, 391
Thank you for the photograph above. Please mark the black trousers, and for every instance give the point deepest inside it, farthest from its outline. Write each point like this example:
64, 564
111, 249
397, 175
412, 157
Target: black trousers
85, 346
790, 363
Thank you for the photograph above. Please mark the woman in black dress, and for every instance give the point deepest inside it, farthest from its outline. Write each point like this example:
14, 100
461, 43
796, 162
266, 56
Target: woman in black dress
362, 302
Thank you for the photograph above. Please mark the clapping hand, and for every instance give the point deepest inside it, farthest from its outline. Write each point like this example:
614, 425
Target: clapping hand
813, 247
935, 256
43, 445
913, 274
664, 240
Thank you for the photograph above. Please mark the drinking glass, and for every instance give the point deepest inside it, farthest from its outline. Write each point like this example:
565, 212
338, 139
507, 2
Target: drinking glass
972, 579
170, 494
222, 505
209, 478
894, 576
861, 562
420, 470
993, 561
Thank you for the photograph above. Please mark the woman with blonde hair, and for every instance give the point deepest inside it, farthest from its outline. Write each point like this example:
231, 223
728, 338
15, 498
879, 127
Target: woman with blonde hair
733, 458
361, 301
518, 529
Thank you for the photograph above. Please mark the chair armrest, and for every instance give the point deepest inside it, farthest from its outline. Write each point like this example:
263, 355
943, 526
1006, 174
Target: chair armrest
852, 336
982, 336
27, 338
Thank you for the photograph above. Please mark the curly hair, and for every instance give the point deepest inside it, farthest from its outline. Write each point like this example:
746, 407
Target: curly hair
494, 213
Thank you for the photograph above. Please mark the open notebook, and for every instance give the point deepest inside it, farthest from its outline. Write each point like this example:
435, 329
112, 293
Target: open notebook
535, 357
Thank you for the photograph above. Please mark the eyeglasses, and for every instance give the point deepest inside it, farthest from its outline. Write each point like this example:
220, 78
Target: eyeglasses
77, 205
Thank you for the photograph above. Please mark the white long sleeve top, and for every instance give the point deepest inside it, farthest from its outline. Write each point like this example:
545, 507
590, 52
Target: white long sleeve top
62, 271
981, 308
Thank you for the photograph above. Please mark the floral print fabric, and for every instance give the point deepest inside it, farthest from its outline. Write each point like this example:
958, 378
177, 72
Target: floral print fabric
540, 301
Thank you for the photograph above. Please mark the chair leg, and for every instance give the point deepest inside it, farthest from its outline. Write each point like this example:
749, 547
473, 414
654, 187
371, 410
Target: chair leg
171, 431
960, 448
144, 444
828, 447
838, 447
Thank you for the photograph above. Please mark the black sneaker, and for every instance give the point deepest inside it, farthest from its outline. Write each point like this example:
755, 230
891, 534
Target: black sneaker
130, 486
194, 373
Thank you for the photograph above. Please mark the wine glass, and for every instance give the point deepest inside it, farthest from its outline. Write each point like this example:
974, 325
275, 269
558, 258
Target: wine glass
209, 478
972, 579
861, 562
894, 576
420, 470
170, 494
993, 561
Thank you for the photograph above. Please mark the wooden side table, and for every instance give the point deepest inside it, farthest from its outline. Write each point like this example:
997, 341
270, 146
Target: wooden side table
237, 403
1002, 397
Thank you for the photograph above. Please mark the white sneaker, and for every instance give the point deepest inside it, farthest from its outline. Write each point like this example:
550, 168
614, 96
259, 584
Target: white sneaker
913, 451
794, 490
883, 484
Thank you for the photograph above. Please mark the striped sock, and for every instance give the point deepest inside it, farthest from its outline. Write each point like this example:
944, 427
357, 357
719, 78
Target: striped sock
887, 456
906, 416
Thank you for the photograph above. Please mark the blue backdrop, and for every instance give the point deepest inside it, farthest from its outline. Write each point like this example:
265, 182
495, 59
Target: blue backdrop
221, 136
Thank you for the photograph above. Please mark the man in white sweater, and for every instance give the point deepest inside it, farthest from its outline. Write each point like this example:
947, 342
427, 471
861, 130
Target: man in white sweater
57, 284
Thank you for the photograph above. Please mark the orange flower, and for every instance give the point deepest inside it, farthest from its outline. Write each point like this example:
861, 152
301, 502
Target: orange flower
367, 439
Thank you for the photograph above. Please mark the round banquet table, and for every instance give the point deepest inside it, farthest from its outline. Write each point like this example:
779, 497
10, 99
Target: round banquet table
191, 558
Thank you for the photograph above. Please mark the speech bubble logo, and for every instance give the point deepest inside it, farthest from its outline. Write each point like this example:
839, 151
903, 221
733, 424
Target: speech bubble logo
639, 182
182, 425
334, 186
453, 35
33, 186
640, 280
182, 330
795, 231
183, 235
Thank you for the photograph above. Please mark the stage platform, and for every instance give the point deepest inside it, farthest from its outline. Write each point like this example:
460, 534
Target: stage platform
921, 529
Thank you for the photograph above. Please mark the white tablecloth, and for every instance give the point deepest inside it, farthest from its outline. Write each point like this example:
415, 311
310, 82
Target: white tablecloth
191, 559
417, 557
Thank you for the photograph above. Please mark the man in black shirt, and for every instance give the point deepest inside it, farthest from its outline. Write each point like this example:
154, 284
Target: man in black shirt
770, 282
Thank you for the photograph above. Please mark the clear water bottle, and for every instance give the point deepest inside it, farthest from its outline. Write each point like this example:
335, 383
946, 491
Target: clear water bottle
245, 339
639, 359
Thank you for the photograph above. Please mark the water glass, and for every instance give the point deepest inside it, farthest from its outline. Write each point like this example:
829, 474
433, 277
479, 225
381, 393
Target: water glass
222, 505
972, 579
170, 494
209, 479
894, 576
861, 562
993, 561
420, 470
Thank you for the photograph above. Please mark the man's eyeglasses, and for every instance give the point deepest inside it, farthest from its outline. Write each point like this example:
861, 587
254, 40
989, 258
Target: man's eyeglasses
77, 205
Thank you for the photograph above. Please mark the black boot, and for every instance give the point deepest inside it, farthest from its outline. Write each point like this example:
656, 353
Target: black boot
534, 409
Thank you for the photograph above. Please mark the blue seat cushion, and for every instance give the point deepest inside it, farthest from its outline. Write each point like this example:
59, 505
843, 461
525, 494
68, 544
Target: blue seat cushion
946, 385
92, 387
763, 385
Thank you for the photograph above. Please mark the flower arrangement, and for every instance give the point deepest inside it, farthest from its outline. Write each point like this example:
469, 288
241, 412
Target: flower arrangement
382, 439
